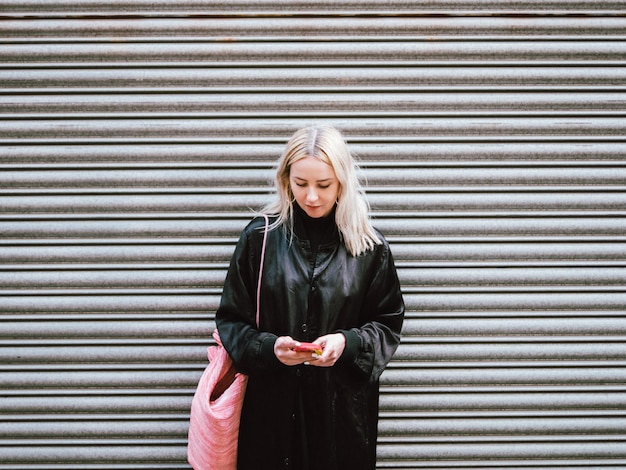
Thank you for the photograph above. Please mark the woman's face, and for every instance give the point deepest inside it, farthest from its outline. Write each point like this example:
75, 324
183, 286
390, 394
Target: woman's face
314, 185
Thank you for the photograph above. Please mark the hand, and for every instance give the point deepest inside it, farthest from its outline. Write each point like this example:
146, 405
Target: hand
333, 346
283, 349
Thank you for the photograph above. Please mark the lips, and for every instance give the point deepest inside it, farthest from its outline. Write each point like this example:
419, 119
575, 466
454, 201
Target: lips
314, 211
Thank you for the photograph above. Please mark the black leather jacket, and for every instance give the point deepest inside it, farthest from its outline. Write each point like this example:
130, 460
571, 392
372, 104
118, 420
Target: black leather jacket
307, 417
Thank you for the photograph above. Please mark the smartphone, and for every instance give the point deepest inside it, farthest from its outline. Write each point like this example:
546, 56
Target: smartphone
309, 347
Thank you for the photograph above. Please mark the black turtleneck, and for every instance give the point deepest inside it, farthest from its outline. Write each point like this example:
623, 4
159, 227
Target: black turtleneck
319, 231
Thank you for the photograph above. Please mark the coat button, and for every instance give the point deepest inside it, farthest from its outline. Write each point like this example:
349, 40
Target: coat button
304, 327
287, 462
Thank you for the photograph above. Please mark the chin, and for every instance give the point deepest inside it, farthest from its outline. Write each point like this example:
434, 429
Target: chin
316, 212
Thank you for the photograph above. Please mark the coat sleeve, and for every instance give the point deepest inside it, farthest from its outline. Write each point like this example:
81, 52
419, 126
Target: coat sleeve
252, 351
369, 348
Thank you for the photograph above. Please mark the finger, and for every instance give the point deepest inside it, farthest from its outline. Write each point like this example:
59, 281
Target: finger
286, 342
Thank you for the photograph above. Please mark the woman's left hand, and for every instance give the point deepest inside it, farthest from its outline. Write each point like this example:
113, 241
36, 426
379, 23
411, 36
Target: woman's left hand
333, 346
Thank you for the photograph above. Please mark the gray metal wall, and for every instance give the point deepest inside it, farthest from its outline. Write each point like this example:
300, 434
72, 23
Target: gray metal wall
136, 135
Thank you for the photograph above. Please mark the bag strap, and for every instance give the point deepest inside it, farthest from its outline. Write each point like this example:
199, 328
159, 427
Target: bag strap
258, 288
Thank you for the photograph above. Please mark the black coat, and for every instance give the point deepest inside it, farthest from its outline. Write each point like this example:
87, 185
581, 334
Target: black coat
308, 417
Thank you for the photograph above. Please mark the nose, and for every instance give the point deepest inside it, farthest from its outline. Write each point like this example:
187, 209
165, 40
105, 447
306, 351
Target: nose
311, 194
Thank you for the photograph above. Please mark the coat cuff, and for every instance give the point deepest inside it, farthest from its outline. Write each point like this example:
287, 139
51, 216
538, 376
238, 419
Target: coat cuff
267, 352
353, 346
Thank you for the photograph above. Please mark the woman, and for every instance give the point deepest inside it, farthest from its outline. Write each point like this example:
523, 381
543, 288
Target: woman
328, 278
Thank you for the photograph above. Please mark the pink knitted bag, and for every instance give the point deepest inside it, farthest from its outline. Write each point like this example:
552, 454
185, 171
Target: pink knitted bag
217, 403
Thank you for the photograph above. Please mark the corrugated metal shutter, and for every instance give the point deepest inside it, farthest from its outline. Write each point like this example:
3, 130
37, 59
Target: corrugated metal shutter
136, 135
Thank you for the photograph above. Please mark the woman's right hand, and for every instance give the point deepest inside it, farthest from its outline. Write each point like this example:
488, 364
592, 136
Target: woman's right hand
284, 351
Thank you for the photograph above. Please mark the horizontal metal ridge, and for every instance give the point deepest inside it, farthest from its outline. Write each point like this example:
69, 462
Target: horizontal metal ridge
234, 166
580, 396
602, 346
618, 417
163, 91
431, 279
286, 44
502, 391
418, 304
530, 398
427, 185
97, 442
600, 439
488, 340
398, 219
292, 27
134, 328
148, 242
491, 368
527, 312
180, 343
179, 465
399, 241
402, 139
493, 65
318, 114
405, 263
80, 417
515, 372
63, 393
410, 463
457, 49
293, 77
417, 321
464, 204
478, 128
269, 166
141, 266
228, 104
367, 166
528, 416
256, 8
577, 450
91, 295
477, 226
523, 10
371, 154
136, 367
305, 37
107, 292
509, 70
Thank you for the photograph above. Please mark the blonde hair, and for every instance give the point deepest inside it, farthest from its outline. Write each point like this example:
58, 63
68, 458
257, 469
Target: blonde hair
328, 145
